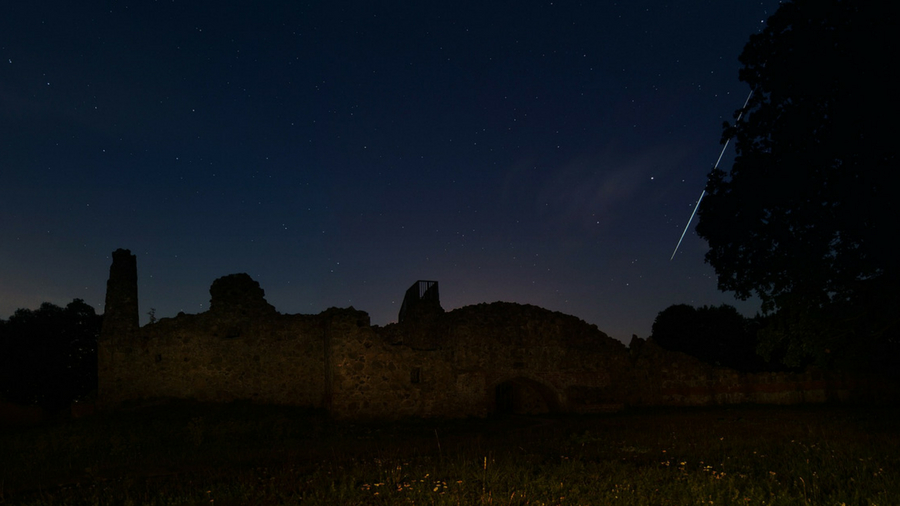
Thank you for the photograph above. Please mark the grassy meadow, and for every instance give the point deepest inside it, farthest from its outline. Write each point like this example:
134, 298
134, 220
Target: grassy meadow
193, 454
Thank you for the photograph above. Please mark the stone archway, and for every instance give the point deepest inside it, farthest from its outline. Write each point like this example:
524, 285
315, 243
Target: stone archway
524, 396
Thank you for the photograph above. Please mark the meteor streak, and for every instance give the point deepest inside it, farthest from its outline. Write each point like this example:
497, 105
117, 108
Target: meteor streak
703, 193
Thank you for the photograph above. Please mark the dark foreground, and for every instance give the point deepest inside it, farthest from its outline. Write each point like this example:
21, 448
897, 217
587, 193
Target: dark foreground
243, 454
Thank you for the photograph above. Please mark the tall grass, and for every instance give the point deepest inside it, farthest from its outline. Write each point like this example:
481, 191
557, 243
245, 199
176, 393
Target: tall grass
243, 454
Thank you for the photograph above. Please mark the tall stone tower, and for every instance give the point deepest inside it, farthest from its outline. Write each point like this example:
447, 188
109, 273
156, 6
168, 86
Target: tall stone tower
120, 317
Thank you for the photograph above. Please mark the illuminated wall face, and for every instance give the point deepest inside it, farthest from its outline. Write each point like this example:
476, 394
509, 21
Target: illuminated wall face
498, 357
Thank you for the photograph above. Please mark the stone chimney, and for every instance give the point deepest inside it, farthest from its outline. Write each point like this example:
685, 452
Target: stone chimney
120, 316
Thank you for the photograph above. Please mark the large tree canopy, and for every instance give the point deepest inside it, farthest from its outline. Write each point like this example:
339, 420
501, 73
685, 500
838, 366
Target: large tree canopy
718, 335
807, 217
48, 356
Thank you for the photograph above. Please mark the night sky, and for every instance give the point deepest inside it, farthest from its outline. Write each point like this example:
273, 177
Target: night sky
547, 153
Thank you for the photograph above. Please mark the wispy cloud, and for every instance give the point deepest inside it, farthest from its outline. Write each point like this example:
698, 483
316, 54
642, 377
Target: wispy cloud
594, 193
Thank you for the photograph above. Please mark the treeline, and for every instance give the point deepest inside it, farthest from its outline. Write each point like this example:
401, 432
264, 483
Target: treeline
48, 356
722, 336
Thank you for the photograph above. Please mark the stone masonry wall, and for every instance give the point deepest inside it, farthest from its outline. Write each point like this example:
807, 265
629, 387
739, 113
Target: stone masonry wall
664, 378
472, 361
555, 362
279, 359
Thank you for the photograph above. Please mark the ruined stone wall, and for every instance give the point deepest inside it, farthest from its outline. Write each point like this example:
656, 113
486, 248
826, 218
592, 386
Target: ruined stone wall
240, 349
278, 359
403, 370
472, 361
558, 360
493, 357
549, 361
665, 378
377, 379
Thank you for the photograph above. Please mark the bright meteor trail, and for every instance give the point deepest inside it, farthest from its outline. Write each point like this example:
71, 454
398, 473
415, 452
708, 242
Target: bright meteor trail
703, 193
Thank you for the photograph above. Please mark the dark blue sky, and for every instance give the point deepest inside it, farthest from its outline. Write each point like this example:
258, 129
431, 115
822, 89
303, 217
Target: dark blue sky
537, 152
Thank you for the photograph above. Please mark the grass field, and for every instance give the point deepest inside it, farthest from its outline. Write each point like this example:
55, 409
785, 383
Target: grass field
217, 455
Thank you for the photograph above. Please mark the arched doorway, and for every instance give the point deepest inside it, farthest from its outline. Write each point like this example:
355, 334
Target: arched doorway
524, 396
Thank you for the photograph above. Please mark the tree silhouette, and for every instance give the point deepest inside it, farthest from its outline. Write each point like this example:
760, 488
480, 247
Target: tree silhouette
49, 356
717, 335
806, 217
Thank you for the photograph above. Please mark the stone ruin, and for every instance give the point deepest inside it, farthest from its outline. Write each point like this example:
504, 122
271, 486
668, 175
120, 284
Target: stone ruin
237, 296
421, 300
472, 361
